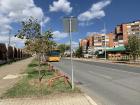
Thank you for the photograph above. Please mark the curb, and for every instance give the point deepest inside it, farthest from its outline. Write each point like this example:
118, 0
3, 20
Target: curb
106, 62
91, 101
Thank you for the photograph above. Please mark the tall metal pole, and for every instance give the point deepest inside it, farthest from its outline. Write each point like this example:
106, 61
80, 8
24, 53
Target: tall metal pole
41, 24
9, 40
71, 53
105, 39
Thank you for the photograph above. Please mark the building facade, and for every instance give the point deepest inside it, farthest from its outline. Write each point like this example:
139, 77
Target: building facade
123, 31
117, 38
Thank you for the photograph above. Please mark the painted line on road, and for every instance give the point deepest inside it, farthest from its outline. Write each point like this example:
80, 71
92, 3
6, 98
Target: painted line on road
91, 101
101, 75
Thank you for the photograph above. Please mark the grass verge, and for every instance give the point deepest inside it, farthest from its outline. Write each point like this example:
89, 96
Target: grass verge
29, 86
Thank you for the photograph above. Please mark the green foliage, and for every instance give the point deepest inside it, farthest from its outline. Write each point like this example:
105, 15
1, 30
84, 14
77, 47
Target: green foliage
30, 29
35, 43
79, 52
63, 48
41, 44
29, 86
133, 47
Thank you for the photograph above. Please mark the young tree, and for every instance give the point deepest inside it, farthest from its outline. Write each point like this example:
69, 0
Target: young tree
79, 52
63, 48
133, 47
35, 43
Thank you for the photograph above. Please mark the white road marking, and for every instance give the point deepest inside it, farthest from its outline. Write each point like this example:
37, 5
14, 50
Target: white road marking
101, 75
90, 100
11, 76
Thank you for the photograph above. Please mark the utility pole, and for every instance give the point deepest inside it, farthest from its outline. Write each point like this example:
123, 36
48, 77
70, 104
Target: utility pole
105, 40
104, 33
9, 40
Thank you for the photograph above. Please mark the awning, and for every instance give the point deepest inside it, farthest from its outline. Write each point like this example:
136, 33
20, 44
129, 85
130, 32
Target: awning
117, 49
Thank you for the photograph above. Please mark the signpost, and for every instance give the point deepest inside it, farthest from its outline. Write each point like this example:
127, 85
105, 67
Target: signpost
70, 25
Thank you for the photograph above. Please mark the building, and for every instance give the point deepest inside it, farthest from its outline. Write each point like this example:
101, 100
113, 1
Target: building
95, 42
84, 45
117, 39
122, 32
90, 44
102, 41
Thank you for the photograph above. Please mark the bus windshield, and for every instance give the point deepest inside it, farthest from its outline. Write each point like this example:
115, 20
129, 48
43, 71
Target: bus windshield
54, 53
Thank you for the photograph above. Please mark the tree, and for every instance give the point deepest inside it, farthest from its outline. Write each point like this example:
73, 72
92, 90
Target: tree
63, 48
133, 46
36, 43
79, 52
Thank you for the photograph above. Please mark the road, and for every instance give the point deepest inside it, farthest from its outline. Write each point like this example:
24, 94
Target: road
107, 84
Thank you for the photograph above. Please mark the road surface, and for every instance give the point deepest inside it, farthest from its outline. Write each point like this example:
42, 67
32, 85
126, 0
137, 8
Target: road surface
107, 84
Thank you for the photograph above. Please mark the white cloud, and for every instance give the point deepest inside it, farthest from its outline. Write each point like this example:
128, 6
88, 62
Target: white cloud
13, 40
13, 11
61, 5
95, 12
44, 21
92, 33
59, 35
74, 44
18, 10
87, 23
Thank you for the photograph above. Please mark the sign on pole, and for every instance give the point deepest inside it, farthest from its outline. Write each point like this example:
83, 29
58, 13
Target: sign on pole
66, 22
70, 25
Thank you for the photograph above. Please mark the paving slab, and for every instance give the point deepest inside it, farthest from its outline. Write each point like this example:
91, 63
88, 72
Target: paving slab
65, 99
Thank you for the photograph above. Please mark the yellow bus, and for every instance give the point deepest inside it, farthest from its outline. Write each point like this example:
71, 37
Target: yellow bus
54, 56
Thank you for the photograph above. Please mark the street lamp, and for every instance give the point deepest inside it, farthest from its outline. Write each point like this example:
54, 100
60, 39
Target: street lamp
105, 39
9, 40
70, 24
104, 32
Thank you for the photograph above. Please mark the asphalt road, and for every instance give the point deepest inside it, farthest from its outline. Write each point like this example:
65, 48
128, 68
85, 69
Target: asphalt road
107, 84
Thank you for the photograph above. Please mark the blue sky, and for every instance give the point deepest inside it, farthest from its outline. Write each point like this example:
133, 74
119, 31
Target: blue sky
91, 14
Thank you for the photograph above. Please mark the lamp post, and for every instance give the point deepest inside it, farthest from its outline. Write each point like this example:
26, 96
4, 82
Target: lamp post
9, 41
105, 39
104, 33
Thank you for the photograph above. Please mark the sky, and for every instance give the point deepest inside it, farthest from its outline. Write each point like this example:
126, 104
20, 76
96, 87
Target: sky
91, 16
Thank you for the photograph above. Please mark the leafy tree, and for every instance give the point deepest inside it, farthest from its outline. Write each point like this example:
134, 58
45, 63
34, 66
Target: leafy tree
63, 48
30, 29
79, 52
36, 43
133, 47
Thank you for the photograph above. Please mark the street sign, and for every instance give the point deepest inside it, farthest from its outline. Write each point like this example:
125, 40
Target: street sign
66, 22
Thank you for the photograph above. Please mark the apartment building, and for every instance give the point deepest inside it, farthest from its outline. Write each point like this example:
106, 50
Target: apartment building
119, 37
84, 44
102, 41
95, 42
122, 32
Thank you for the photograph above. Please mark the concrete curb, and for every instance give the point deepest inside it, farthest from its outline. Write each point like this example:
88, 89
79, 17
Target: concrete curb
91, 101
106, 62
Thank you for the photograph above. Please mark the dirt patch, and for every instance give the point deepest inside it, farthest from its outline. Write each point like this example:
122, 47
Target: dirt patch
37, 83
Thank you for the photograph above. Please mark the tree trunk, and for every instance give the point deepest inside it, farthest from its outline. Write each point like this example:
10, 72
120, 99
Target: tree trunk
39, 70
134, 58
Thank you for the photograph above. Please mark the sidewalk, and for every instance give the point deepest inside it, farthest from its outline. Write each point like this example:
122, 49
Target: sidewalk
10, 74
63, 99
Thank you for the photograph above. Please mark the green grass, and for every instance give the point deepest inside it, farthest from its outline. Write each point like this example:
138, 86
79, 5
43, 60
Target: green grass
30, 86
